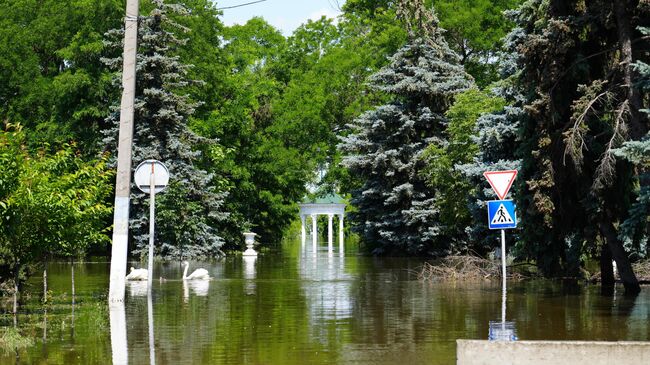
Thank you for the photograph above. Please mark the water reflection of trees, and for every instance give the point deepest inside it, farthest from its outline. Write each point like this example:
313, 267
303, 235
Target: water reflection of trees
364, 309
575, 311
228, 325
356, 310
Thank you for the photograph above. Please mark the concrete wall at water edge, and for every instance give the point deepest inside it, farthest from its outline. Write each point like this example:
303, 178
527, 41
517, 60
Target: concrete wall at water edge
475, 352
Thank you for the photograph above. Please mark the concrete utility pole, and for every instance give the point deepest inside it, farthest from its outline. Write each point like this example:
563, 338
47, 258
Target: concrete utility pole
123, 181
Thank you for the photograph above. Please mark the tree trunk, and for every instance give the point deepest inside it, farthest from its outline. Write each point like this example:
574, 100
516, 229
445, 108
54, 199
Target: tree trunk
45, 284
637, 129
620, 256
606, 267
15, 297
44, 328
73, 298
72, 265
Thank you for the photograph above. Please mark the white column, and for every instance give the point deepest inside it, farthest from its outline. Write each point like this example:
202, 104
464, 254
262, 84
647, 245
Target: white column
119, 250
117, 320
330, 233
341, 236
314, 232
303, 231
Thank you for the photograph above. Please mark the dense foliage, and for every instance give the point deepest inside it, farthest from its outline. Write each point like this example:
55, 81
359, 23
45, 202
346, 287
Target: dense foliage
581, 103
50, 205
52, 80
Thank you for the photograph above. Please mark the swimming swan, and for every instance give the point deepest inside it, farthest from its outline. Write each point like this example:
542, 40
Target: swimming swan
138, 274
198, 274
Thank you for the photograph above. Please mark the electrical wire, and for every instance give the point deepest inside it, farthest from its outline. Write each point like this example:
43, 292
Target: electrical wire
240, 5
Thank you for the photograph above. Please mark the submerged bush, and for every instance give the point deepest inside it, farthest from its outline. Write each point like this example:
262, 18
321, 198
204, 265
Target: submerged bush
465, 268
12, 340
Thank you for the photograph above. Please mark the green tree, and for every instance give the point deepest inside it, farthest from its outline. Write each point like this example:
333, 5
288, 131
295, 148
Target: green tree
327, 89
51, 78
581, 104
255, 166
51, 205
397, 212
475, 30
284, 102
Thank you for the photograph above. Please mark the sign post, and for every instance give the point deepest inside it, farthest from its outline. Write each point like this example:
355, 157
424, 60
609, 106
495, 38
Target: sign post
151, 177
501, 215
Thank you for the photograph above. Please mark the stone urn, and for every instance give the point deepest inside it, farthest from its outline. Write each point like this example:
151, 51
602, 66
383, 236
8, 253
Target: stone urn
250, 241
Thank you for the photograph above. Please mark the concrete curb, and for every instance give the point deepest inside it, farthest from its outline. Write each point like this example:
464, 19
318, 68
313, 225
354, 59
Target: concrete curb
478, 352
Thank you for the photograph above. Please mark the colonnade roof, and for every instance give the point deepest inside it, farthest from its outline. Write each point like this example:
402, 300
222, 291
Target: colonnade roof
328, 204
332, 198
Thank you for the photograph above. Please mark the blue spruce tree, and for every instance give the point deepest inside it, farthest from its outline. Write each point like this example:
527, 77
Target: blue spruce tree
395, 211
190, 208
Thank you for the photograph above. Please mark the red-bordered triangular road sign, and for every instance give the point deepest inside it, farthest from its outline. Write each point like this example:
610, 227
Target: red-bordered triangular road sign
501, 181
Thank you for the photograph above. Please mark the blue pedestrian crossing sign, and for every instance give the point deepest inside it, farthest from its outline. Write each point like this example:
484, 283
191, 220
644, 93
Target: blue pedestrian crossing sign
501, 214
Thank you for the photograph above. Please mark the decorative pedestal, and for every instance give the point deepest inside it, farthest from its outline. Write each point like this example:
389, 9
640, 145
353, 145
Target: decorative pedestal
250, 241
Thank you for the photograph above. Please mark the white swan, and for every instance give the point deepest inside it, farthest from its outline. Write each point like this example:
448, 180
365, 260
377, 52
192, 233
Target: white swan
198, 274
138, 274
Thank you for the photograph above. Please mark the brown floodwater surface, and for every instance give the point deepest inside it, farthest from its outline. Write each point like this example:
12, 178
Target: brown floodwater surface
294, 307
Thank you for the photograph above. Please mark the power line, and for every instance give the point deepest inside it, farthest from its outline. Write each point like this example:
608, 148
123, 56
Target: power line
240, 5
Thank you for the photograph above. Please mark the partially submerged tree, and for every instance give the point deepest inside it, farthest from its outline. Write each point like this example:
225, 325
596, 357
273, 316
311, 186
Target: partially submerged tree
50, 205
190, 209
396, 211
578, 77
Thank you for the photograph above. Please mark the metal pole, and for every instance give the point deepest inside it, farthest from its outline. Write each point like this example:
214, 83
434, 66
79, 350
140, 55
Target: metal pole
152, 223
503, 263
152, 343
119, 250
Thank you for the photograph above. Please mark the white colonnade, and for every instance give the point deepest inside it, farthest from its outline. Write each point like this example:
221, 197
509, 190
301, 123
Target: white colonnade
313, 210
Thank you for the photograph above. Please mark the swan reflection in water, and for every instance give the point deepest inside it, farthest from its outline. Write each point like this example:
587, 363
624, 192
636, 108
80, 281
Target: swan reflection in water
137, 288
199, 288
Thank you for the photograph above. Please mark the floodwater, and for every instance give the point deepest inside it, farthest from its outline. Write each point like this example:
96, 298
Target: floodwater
294, 307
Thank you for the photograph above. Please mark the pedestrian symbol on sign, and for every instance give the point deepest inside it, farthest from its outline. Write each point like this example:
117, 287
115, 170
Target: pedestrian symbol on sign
502, 216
